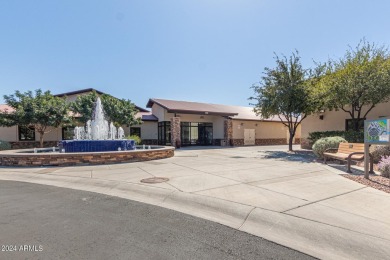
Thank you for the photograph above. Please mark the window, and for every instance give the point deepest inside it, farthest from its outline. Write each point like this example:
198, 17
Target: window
164, 133
67, 133
193, 133
135, 131
349, 124
26, 133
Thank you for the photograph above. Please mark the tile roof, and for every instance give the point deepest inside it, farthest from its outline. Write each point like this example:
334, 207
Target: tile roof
233, 112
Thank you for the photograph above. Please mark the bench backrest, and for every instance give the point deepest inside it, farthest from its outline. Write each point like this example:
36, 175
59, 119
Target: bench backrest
350, 148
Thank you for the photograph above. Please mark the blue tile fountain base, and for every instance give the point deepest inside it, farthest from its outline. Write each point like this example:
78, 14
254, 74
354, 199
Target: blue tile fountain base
80, 146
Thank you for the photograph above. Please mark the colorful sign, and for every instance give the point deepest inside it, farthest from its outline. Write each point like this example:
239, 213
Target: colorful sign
377, 131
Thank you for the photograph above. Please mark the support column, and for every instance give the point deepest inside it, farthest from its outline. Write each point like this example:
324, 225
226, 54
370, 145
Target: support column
175, 132
366, 160
228, 131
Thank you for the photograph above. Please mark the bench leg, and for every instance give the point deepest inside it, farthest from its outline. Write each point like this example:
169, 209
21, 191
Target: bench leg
324, 159
349, 166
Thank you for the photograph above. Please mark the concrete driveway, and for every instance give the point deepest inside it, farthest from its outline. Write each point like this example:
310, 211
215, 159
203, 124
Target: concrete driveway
264, 191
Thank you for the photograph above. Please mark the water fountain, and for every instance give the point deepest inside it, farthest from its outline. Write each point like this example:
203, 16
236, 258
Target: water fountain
99, 142
97, 135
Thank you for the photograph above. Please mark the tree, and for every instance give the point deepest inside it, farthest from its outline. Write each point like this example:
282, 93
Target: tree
40, 110
118, 111
359, 81
83, 106
285, 91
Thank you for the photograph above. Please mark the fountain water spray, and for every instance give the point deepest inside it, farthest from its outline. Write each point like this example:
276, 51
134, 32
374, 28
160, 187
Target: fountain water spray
97, 135
98, 128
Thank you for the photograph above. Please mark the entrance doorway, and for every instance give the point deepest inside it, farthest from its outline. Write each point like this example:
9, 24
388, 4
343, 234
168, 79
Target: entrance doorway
196, 133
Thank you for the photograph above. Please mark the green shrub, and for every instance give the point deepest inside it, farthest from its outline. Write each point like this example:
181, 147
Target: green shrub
350, 136
5, 145
136, 138
322, 144
378, 151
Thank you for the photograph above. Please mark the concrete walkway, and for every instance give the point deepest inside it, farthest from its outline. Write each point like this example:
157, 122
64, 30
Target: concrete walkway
284, 198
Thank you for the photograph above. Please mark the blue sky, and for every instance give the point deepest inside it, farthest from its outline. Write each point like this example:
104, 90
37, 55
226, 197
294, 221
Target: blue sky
196, 50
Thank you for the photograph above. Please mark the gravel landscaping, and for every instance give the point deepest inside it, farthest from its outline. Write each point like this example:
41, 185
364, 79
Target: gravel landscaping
375, 181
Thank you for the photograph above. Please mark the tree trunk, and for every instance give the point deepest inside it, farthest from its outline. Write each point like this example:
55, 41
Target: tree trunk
41, 139
290, 142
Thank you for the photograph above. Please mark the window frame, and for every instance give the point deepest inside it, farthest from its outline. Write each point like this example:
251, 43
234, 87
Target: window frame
63, 132
347, 124
32, 129
138, 130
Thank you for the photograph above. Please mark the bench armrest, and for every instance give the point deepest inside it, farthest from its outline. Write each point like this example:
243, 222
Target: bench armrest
351, 154
330, 149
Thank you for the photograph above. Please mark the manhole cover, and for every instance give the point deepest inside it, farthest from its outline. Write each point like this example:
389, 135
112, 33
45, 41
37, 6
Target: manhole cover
155, 180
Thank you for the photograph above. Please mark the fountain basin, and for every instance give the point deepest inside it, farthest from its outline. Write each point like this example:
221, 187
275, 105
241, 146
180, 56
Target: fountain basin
26, 157
82, 146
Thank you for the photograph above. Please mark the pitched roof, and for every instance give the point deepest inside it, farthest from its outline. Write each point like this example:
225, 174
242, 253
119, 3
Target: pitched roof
81, 91
146, 116
233, 112
86, 90
174, 106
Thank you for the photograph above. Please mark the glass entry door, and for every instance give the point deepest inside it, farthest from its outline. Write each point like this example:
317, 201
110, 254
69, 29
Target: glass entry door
196, 133
205, 134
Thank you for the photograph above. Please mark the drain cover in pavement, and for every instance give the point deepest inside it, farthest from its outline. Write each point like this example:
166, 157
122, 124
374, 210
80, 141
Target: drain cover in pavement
155, 180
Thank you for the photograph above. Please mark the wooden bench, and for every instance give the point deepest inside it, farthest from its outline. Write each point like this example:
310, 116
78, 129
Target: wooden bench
348, 152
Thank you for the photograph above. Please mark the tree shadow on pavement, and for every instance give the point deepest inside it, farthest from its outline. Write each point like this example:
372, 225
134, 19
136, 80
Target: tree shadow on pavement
295, 156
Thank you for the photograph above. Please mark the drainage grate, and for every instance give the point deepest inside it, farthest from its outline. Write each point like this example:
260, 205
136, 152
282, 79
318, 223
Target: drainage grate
154, 180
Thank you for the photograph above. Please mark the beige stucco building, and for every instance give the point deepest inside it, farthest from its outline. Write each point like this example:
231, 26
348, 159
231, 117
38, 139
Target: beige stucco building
179, 123
337, 121
194, 123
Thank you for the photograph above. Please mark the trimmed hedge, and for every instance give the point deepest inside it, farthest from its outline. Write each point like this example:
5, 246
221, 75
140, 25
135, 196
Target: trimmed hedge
350, 136
322, 144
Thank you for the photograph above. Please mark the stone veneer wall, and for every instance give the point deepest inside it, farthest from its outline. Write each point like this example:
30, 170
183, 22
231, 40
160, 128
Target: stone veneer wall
67, 159
271, 141
175, 132
228, 131
237, 142
32, 144
276, 141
